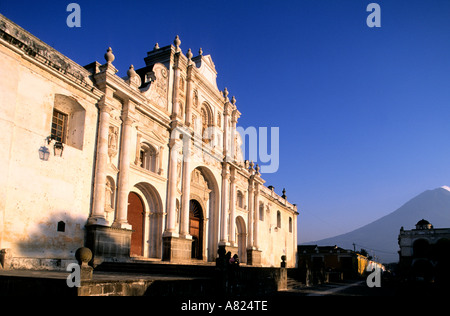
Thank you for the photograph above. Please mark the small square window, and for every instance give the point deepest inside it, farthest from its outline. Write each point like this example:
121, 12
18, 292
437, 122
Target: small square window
59, 123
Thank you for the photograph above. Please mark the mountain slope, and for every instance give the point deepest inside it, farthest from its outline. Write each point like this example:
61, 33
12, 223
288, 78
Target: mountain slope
380, 237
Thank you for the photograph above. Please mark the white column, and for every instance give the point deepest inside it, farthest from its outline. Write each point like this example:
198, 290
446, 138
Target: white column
188, 111
172, 185
224, 205
232, 237
186, 186
233, 149
124, 171
256, 216
250, 215
98, 210
176, 84
226, 132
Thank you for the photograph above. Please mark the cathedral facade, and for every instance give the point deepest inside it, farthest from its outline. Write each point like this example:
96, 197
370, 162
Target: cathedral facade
145, 166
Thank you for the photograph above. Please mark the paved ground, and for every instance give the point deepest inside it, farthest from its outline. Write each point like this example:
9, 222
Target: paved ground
295, 289
344, 288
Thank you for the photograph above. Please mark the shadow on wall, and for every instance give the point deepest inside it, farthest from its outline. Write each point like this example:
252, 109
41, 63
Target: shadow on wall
49, 244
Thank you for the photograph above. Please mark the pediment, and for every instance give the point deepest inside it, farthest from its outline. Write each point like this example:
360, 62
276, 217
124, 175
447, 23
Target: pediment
151, 133
206, 67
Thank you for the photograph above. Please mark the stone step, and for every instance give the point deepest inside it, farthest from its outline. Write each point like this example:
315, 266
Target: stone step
293, 284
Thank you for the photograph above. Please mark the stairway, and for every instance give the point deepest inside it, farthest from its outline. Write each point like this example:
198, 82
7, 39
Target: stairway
293, 284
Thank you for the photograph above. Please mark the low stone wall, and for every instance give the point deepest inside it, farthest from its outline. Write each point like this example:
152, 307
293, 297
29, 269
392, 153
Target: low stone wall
34, 286
155, 280
257, 281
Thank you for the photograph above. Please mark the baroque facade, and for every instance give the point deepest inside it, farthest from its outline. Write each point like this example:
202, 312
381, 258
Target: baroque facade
144, 166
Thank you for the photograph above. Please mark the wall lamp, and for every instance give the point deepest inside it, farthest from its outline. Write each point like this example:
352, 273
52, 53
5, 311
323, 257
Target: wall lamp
58, 147
44, 153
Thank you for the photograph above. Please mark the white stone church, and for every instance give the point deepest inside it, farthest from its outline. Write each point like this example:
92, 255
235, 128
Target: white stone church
148, 166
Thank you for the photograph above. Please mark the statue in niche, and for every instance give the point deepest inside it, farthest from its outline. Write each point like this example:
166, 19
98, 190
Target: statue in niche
177, 211
180, 110
195, 99
112, 142
109, 200
178, 173
181, 84
109, 195
194, 122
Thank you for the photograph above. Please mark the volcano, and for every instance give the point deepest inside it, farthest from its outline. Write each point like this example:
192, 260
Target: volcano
380, 238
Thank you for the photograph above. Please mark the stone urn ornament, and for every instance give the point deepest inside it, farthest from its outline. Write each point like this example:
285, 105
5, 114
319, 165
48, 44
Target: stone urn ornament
83, 256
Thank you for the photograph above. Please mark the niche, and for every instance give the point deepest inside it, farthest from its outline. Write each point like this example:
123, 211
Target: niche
61, 227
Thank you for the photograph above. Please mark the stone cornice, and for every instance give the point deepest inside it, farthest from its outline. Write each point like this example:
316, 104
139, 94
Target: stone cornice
44, 55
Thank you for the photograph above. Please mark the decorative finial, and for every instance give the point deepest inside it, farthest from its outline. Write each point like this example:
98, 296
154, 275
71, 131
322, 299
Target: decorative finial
177, 41
200, 51
109, 56
131, 72
156, 46
233, 100
251, 165
257, 170
189, 54
225, 94
284, 194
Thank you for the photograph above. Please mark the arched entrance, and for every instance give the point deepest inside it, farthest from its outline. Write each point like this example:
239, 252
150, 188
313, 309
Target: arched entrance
196, 229
152, 217
204, 190
135, 218
241, 238
421, 248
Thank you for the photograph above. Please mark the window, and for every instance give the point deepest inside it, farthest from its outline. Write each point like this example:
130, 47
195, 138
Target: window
261, 211
278, 219
61, 227
240, 199
68, 121
59, 125
207, 123
290, 224
147, 156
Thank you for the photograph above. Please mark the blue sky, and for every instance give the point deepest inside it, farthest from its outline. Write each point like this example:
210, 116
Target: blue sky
363, 112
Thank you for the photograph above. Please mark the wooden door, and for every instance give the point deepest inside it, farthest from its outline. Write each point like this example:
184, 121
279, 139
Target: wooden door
135, 218
196, 229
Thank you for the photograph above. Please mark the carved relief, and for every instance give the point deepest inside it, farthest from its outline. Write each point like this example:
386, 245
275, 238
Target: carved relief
157, 91
198, 179
199, 185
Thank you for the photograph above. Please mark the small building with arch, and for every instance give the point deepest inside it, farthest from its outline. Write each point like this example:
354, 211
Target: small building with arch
424, 252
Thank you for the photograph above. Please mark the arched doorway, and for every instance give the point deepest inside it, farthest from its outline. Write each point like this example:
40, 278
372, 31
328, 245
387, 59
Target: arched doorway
135, 218
421, 248
196, 229
152, 218
241, 238
205, 190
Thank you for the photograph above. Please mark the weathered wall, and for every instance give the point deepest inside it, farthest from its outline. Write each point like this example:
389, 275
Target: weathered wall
36, 194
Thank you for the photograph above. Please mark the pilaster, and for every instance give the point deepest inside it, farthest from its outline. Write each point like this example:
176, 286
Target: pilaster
124, 167
98, 210
224, 205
